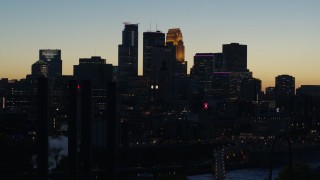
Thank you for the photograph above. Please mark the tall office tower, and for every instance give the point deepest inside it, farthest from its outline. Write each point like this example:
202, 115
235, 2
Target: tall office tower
94, 69
235, 57
49, 63
53, 58
128, 52
40, 68
218, 62
174, 37
205, 64
151, 40
162, 58
285, 85
100, 74
174, 40
202, 71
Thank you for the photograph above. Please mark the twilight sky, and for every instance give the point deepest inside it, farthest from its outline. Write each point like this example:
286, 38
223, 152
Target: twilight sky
283, 36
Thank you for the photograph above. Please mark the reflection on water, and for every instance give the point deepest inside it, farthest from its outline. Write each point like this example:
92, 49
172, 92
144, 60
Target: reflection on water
249, 174
242, 174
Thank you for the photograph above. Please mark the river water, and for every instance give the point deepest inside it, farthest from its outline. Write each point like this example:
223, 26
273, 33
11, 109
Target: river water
249, 174
242, 174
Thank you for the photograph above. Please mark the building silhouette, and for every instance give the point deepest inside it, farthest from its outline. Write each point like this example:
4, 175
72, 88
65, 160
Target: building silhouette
128, 52
174, 37
285, 85
284, 93
250, 89
202, 71
40, 68
49, 63
174, 40
151, 40
309, 90
100, 75
235, 57
270, 91
203, 66
94, 69
120, 125
227, 85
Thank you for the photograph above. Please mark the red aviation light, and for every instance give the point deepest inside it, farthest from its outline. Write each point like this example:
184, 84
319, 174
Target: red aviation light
205, 105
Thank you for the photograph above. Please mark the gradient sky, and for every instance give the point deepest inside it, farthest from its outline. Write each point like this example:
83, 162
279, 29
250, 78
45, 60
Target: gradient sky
283, 36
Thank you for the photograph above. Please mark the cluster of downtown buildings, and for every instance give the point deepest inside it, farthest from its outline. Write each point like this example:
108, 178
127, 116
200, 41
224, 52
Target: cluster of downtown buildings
164, 106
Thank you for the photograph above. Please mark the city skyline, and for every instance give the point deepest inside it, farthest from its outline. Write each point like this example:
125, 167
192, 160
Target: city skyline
281, 36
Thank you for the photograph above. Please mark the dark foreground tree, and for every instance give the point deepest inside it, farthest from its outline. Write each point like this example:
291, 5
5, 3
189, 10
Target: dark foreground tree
300, 171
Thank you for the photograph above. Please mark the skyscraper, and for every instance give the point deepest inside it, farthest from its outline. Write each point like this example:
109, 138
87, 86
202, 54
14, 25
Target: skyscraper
162, 59
94, 69
39, 68
205, 64
49, 63
285, 85
53, 58
99, 75
174, 37
128, 52
174, 40
235, 57
151, 40
202, 71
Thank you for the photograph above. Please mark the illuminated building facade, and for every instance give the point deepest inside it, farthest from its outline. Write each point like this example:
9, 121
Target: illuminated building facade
174, 37
271, 124
53, 58
39, 68
174, 41
49, 63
